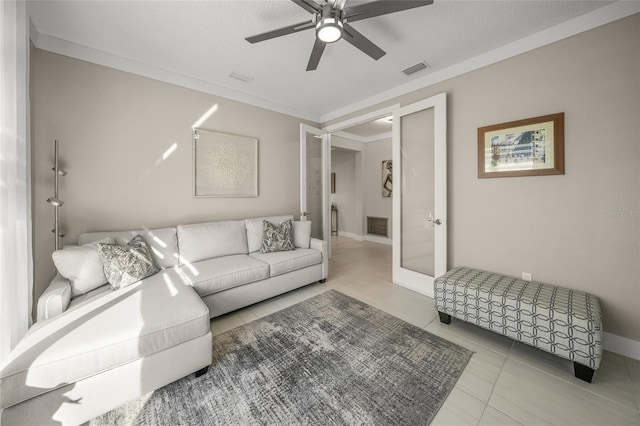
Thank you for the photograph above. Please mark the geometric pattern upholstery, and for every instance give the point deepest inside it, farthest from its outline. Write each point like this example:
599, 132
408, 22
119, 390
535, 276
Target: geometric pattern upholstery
564, 322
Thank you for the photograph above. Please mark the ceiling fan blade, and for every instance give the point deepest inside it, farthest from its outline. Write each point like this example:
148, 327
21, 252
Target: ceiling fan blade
308, 5
281, 32
340, 4
381, 7
316, 54
361, 42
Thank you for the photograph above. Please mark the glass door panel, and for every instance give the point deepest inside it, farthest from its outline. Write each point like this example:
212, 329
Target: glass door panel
417, 184
315, 185
314, 180
420, 203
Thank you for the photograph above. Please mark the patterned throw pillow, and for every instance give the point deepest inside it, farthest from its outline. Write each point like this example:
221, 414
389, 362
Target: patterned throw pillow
125, 265
277, 238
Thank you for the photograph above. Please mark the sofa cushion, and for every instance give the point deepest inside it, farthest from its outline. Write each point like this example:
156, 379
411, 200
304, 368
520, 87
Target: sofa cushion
255, 227
154, 314
82, 266
127, 264
162, 242
221, 273
286, 261
214, 239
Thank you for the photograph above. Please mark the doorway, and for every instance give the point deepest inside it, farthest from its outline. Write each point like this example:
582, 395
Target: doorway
361, 164
419, 224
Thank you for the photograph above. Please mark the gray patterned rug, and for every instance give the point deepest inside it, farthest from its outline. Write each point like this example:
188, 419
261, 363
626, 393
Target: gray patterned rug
330, 360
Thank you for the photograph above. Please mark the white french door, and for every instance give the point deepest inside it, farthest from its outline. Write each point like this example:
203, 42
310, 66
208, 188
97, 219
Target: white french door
419, 146
315, 167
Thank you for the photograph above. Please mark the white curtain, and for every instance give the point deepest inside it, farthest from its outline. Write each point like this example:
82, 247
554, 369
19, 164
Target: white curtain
16, 261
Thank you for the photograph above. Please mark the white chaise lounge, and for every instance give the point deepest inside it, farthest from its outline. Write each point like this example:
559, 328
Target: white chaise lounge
93, 352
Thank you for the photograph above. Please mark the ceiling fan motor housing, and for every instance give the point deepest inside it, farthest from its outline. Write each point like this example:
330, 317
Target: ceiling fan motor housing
329, 26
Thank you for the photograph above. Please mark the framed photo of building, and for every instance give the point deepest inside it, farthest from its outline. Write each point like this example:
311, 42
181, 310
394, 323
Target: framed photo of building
224, 165
530, 147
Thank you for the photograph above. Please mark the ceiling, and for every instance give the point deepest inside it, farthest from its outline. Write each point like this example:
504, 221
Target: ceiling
370, 130
198, 44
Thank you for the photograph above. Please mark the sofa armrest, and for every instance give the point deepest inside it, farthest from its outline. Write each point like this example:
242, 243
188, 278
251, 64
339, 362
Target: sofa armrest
323, 247
55, 299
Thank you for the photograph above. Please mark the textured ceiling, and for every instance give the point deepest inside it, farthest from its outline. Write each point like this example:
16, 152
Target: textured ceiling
205, 41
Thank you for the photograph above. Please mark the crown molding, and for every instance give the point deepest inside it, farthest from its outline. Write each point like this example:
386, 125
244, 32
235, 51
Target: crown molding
348, 135
588, 21
615, 11
379, 137
99, 57
363, 139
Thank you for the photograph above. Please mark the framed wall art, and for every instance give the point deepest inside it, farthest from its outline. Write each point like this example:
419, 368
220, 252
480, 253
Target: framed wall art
224, 165
531, 147
387, 178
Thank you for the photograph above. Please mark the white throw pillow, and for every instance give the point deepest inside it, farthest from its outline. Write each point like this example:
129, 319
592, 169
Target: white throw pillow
82, 266
302, 234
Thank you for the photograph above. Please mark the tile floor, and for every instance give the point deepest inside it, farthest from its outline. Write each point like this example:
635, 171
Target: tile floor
505, 383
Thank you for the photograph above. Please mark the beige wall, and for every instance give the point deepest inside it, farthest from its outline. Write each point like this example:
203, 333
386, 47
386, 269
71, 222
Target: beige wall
376, 205
345, 163
114, 129
580, 230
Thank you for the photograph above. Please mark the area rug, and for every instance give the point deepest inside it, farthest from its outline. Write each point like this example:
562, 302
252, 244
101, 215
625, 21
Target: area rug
330, 360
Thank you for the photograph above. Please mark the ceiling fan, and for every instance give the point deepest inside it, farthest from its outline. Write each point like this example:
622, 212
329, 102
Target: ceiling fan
331, 21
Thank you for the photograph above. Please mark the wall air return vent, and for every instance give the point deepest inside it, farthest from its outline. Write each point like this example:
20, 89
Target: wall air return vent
241, 77
417, 67
377, 226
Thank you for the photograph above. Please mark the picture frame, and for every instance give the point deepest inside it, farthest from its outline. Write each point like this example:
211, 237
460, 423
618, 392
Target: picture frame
387, 178
529, 147
224, 165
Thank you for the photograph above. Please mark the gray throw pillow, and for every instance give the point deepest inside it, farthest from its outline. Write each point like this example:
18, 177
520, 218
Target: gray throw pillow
277, 238
128, 264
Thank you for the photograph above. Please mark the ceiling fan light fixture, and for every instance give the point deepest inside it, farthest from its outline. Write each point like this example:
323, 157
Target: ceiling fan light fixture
329, 29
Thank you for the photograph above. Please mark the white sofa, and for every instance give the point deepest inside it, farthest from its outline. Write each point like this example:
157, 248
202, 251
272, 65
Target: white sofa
91, 353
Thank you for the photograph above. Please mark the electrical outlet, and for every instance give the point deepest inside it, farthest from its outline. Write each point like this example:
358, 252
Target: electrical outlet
526, 276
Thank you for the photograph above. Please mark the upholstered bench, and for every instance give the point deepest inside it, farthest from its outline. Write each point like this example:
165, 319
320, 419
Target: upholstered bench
564, 322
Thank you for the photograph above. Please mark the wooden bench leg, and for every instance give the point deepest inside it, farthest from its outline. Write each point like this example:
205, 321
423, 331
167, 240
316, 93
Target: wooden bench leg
202, 371
444, 318
583, 372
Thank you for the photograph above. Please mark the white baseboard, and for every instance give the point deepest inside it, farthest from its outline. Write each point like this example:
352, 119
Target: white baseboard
622, 345
372, 238
376, 239
350, 235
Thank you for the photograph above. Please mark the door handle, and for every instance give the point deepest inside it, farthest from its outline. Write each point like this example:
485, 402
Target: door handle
435, 221
305, 214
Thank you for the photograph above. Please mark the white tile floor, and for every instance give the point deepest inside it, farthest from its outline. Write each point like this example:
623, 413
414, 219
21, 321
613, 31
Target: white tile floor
505, 383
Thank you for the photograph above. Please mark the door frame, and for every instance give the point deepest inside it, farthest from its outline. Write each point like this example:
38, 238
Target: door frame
326, 177
418, 282
440, 124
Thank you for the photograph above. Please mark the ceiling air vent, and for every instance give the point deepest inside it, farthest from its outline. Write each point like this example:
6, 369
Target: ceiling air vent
241, 77
415, 68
